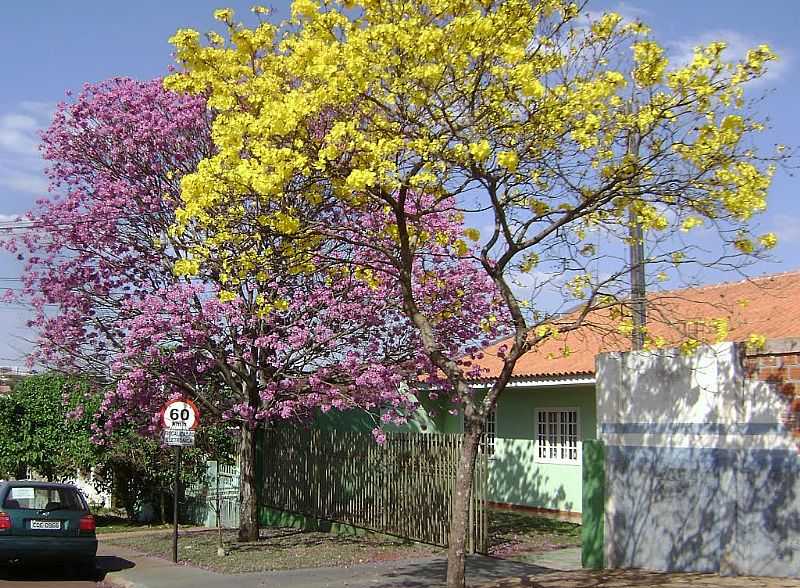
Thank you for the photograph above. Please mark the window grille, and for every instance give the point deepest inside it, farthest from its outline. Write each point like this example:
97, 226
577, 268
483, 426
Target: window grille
489, 432
557, 435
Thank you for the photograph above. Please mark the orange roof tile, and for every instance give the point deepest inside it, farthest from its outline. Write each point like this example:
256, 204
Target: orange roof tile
768, 306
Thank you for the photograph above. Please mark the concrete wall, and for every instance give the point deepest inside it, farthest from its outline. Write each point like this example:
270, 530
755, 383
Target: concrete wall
86, 485
702, 473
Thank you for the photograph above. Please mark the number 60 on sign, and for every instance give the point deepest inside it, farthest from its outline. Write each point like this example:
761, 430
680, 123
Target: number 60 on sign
181, 415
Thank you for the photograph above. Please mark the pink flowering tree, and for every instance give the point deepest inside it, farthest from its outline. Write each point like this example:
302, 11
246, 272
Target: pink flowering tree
99, 239
118, 293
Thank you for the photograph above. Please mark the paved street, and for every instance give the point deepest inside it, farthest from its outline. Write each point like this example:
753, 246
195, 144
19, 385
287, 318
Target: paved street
120, 568
57, 577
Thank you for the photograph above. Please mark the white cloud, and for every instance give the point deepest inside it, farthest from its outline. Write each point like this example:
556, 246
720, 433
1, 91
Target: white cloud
18, 134
41, 110
9, 218
681, 51
20, 122
538, 286
627, 11
786, 227
21, 167
25, 182
16, 141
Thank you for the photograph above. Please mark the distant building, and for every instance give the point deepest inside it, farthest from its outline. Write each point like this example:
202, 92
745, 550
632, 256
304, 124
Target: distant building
10, 375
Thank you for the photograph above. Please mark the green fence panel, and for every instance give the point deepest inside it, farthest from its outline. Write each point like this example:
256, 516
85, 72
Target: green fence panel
402, 487
593, 504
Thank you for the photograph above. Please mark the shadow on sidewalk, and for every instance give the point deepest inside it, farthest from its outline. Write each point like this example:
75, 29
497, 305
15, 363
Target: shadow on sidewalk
480, 569
56, 572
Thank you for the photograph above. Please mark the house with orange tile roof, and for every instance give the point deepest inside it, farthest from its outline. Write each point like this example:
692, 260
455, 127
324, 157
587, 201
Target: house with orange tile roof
536, 433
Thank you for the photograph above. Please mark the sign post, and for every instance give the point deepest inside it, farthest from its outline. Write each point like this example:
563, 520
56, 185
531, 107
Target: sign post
180, 419
178, 450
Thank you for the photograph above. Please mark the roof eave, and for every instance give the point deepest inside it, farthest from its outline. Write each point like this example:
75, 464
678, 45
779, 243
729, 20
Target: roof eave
544, 381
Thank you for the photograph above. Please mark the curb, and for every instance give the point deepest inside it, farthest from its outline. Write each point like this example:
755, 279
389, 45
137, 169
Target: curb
119, 582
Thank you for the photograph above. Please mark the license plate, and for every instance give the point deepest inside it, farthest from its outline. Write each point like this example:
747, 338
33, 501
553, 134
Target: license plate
46, 525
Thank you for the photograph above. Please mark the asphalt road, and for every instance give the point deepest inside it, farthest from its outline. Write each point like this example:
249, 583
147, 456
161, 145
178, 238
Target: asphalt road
58, 576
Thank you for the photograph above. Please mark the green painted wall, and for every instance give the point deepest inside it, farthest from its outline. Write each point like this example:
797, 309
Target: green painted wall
350, 420
515, 477
429, 418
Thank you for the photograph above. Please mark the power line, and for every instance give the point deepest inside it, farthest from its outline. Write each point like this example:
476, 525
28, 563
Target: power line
23, 224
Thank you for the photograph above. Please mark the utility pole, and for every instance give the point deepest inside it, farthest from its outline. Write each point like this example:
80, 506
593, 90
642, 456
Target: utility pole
637, 273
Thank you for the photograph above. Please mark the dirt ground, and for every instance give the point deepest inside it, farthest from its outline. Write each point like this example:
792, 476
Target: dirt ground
638, 579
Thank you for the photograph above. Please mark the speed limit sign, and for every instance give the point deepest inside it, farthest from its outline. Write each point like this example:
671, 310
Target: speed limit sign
180, 415
180, 418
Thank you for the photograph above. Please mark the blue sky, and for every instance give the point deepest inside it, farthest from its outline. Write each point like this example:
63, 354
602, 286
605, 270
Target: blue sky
49, 47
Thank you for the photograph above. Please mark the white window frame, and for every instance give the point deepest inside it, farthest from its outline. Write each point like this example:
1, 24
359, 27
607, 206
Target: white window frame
489, 437
559, 446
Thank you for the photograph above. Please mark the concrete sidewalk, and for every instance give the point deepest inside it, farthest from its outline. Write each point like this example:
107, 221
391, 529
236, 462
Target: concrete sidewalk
149, 572
552, 570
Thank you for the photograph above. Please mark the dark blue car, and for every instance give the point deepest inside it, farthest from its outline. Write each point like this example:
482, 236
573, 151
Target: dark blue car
42, 521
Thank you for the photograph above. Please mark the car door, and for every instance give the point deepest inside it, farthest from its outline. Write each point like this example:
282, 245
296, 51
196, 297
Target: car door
44, 511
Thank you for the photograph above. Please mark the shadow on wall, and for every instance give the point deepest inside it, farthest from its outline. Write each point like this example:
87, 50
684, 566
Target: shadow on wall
516, 478
699, 475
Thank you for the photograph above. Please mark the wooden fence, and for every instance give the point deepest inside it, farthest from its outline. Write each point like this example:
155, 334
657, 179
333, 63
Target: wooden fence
403, 487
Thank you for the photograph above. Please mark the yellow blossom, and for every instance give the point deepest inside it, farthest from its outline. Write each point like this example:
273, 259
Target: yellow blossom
768, 240
756, 342
691, 222
359, 179
227, 295
480, 151
508, 160
650, 62
472, 234
744, 244
689, 346
224, 14
306, 8
186, 267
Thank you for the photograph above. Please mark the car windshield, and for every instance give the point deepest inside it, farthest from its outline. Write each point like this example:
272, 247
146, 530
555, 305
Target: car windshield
43, 498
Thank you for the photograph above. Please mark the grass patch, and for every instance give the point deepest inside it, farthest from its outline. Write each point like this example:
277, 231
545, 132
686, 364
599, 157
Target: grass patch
110, 523
512, 533
278, 549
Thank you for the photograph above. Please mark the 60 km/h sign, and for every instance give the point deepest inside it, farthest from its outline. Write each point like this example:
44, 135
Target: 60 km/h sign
180, 419
181, 415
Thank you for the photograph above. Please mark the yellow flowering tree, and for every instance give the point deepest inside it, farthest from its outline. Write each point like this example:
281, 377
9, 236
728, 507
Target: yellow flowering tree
568, 139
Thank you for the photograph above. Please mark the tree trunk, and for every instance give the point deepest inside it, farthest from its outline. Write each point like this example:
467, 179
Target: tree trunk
248, 491
462, 494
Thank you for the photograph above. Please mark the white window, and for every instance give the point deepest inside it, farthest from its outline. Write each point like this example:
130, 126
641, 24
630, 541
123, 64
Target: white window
558, 435
489, 432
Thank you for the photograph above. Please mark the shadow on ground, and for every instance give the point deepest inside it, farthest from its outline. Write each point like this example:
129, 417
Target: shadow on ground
639, 579
480, 569
53, 572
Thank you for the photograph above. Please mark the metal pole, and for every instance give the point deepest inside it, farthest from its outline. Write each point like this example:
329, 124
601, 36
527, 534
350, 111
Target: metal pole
637, 269
638, 288
220, 546
175, 504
